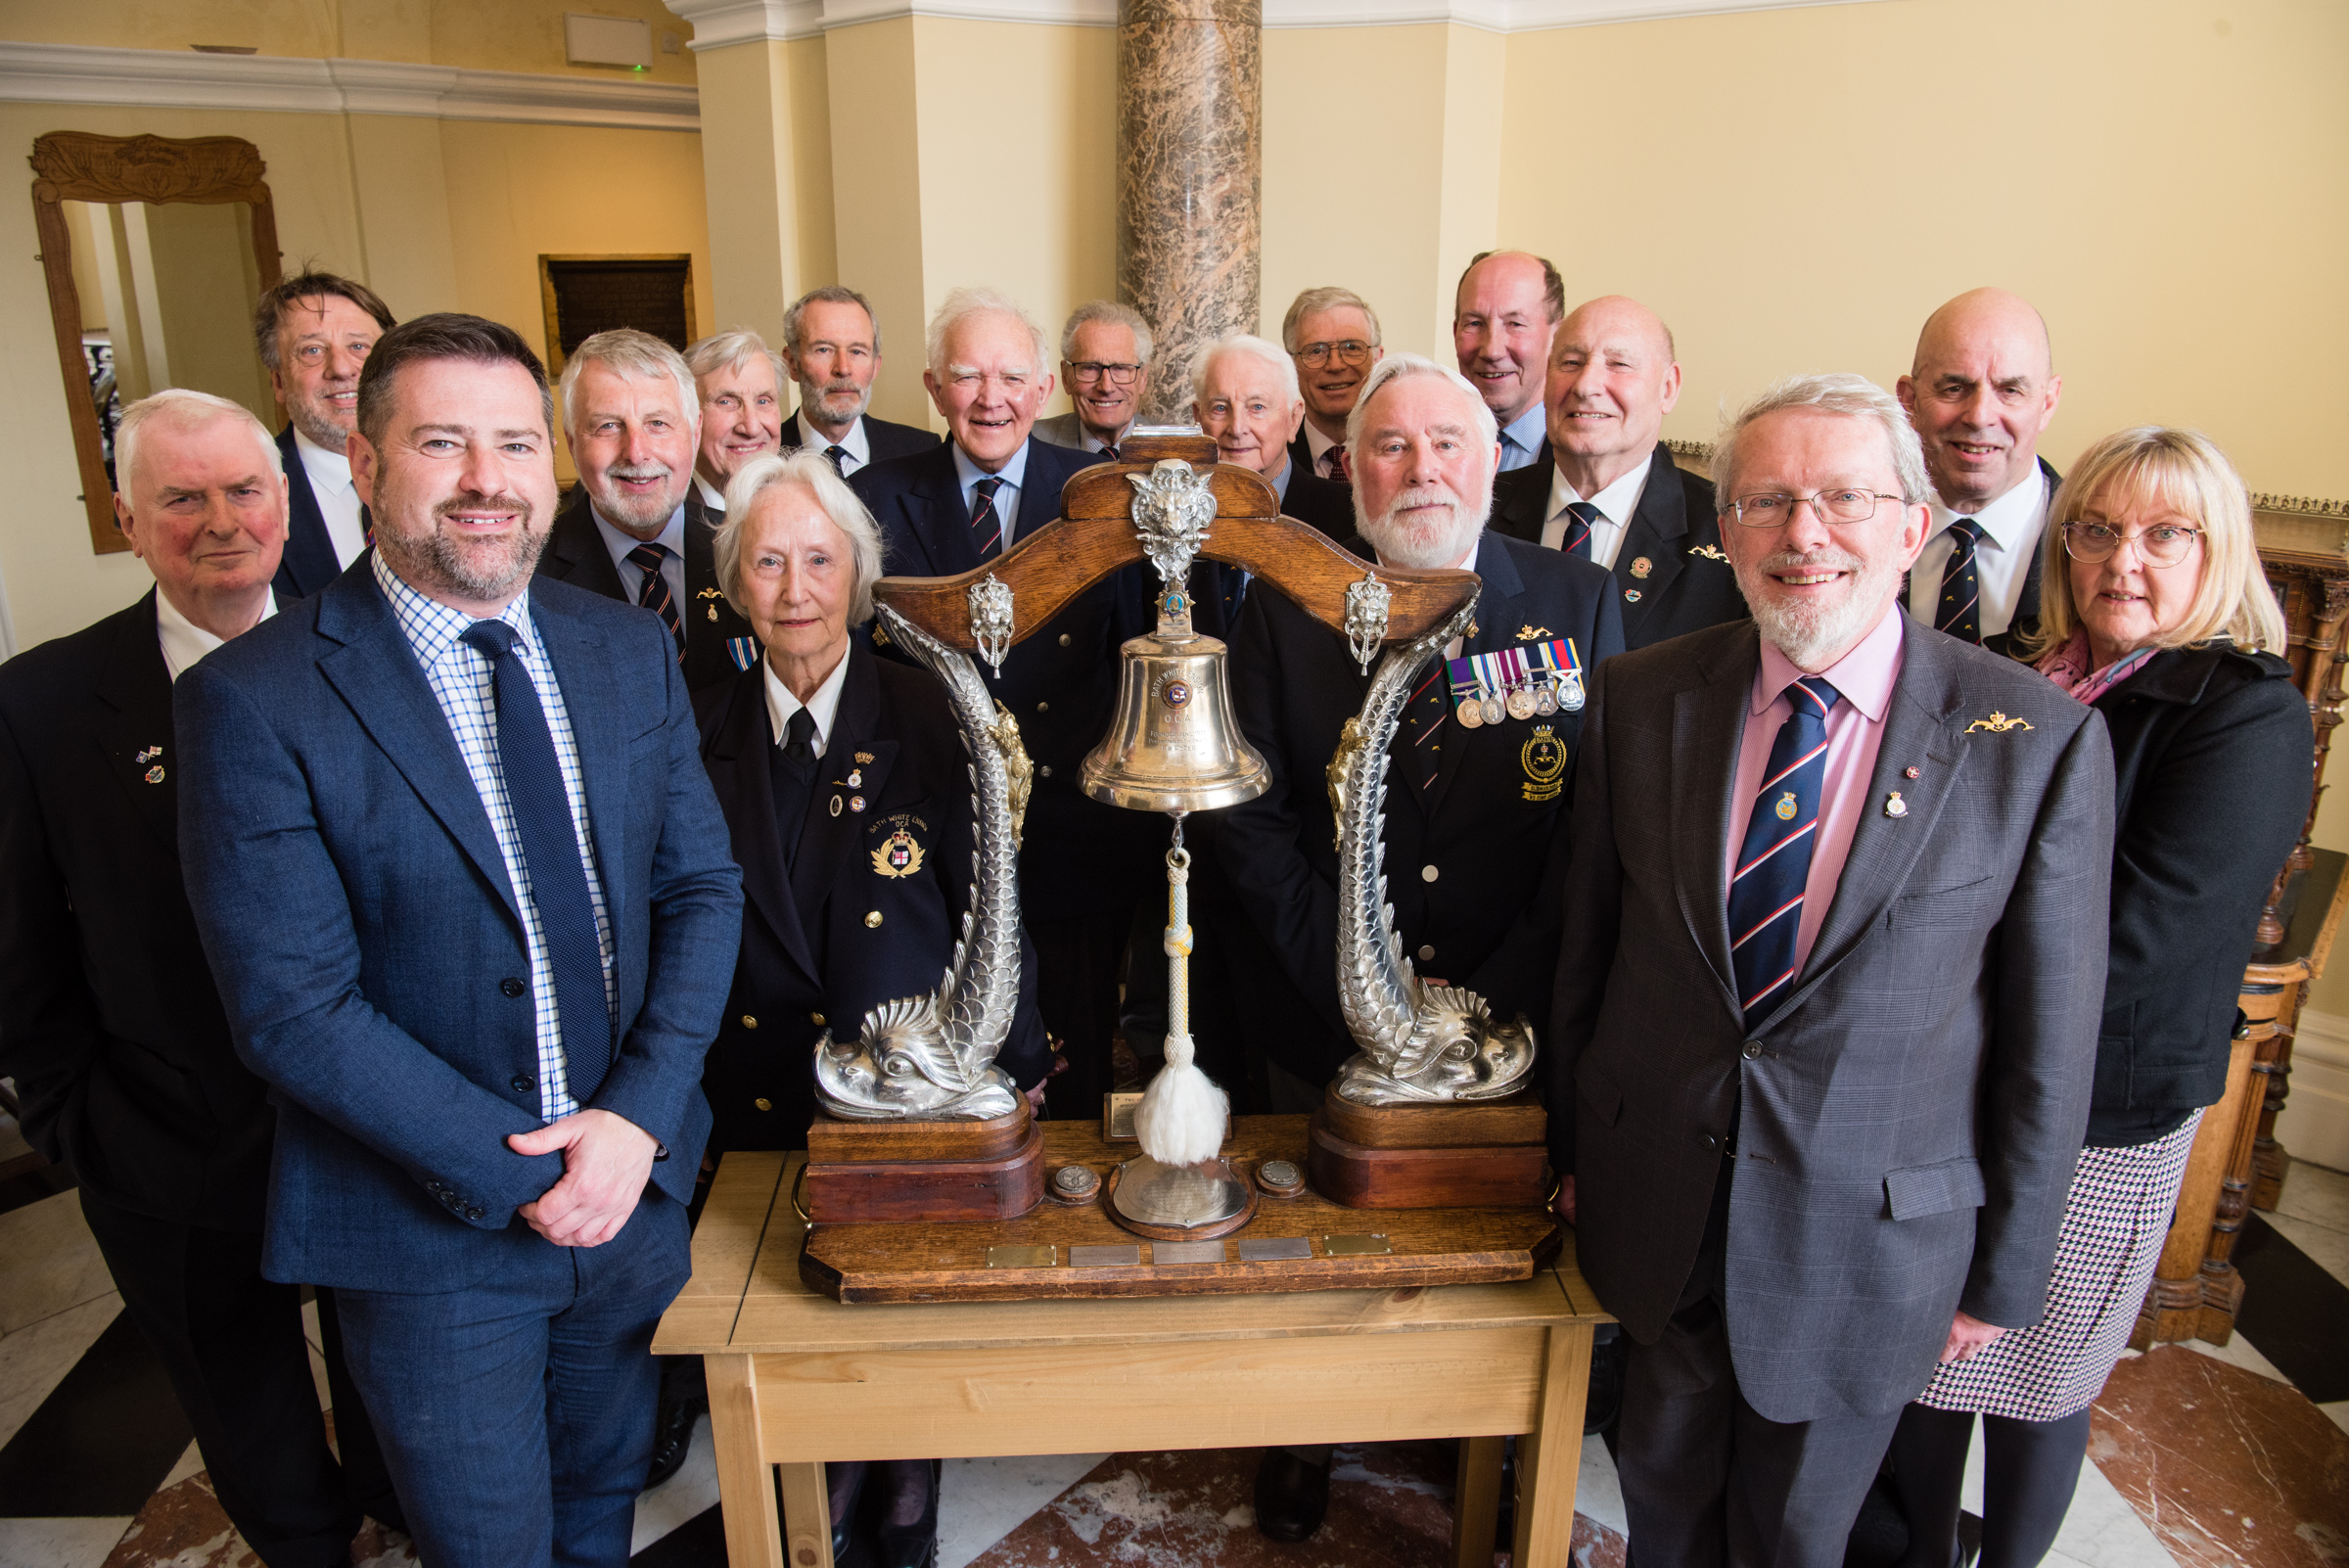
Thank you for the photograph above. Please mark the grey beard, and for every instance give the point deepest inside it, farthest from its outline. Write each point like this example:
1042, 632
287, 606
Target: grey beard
1399, 545
1808, 636
311, 423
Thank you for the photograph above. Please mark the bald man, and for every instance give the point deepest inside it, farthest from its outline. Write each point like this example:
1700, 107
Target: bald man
1503, 314
1611, 492
1980, 392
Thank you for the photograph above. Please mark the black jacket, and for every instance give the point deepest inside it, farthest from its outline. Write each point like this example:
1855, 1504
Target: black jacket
1672, 576
2211, 752
813, 956
718, 642
883, 439
109, 1019
309, 563
1324, 503
1495, 833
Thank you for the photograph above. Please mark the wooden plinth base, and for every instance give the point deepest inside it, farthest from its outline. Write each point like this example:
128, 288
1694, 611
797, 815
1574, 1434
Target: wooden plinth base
1516, 1121
1429, 1156
866, 1192
833, 1140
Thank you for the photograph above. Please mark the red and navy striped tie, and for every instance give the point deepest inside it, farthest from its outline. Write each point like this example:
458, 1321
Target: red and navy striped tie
1766, 890
987, 523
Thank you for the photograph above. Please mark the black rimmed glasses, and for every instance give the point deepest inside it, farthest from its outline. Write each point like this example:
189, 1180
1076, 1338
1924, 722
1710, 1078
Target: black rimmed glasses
1346, 350
1090, 370
1774, 509
2165, 545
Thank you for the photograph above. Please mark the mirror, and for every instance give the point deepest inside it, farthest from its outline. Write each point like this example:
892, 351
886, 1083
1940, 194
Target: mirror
155, 248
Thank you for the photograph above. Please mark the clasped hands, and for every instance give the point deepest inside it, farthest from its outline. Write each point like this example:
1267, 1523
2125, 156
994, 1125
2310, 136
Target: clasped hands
607, 1158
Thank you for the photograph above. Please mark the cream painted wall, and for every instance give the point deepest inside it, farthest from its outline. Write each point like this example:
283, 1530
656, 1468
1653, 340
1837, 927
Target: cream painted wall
2161, 177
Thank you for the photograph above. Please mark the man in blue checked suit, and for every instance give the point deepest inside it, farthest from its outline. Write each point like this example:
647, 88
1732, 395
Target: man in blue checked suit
465, 888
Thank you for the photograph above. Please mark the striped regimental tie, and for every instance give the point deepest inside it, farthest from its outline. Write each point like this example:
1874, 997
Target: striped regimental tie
987, 523
1765, 891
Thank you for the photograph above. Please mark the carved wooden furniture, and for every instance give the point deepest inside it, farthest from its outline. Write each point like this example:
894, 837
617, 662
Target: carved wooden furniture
796, 1379
75, 166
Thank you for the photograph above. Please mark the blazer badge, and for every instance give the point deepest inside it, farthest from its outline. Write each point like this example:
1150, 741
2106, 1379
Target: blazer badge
1710, 552
898, 855
1643, 567
1527, 634
1545, 759
1997, 723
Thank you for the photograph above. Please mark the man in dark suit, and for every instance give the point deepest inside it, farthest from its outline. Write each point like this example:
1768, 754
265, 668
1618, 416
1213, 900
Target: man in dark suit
109, 1020
1981, 392
1244, 393
1504, 314
314, 333
1611, 492
1475, 819
466, 891
1827, 999
832, 346
633, 529
943, 512
1332, 335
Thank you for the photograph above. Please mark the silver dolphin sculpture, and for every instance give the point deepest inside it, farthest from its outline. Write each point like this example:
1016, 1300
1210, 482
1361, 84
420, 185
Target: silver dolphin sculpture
1419, 1044
932, 1059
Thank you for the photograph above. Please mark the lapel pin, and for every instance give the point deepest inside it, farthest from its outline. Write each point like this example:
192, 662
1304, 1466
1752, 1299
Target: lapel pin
866, 758
856, 779
714, 612
1708, 552
149, 755
836, 806
855, 803
1643, 567
1997, 723
1893, 805
709, 593
154, 774
1631, 596
1530, 633
1910, 772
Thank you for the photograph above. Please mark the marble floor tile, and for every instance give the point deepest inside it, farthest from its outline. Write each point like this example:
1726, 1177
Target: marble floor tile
2229, 1469
35, 1358
692, 1491
1597, 1490
981, 1501
2326, 1246
2338, 1413
2316, 1195
53, 1262
58, 1542
2238, 1352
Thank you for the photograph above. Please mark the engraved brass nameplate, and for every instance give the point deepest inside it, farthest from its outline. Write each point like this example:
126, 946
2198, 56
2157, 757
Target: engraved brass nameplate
1117, 1118
1105, 1257
1275, 1249
1186, 1252
1022, 1257
1357, 1245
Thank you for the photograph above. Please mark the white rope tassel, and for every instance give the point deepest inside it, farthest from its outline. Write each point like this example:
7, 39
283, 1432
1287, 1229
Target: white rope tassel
1181, 1118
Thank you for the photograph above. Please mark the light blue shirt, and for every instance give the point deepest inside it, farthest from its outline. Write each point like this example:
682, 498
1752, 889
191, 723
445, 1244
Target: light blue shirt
672, 537
464, 682
1521, 441
968, 474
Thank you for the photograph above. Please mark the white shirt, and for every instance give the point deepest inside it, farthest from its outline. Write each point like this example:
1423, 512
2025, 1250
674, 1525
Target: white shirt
2011, 527
1616, 504
1013, 474
859, 451
713, 498
1521, 439
1319, 445
337, 498
823, 707
673, 570
184, 642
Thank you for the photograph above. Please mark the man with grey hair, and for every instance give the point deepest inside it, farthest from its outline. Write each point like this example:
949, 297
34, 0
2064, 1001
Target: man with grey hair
1244, 393
1827, 999
1332, 333
109, 1022
740, 382
832, 346
1105, 364
633, 529
1476, 815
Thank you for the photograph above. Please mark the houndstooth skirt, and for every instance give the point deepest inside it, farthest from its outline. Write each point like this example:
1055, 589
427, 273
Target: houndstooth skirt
2113, 1226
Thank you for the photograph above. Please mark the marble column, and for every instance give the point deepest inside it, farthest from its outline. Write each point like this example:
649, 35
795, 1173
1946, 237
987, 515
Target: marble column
1190, 90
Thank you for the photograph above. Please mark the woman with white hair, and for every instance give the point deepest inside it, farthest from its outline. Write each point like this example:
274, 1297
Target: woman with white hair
846, 793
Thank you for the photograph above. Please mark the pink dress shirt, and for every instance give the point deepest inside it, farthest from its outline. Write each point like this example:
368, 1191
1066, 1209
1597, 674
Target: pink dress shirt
1864, 678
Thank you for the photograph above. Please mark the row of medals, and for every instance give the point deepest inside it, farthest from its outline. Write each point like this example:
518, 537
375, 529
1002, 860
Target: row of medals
1518, 701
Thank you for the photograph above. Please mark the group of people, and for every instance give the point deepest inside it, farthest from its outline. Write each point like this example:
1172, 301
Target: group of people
390, 906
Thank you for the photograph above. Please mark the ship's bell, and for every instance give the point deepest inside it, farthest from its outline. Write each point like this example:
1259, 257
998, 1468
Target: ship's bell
1172, 746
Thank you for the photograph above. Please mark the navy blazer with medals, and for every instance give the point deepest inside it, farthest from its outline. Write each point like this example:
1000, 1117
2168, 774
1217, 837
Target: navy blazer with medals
357, 915
897, 843
1672, 576
109, 1020
1493, 826
308, 564
718, 641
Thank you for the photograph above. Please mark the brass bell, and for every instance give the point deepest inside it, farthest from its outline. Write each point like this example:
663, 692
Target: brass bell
1173, 745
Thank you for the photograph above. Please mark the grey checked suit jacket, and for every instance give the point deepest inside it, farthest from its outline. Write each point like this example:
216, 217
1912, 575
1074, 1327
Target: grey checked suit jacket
1910, 1118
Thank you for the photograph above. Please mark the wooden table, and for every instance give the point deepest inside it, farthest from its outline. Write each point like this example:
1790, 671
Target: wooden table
796, 1379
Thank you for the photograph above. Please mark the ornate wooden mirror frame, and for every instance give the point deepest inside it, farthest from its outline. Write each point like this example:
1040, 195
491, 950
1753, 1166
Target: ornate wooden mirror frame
74, 166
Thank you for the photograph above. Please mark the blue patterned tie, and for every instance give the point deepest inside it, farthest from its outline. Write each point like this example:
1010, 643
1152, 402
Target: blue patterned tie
1959, 611
1765, 891
550, 858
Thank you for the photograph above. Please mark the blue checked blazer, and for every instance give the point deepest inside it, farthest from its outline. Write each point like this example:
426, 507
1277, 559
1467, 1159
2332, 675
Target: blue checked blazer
357, 915
1909, 1120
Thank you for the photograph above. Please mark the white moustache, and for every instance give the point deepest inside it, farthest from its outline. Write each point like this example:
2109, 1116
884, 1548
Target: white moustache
646, 471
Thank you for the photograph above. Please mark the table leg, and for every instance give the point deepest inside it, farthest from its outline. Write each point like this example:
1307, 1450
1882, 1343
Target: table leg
1476, 1502
806, 1515
1549, 1458
746, 1484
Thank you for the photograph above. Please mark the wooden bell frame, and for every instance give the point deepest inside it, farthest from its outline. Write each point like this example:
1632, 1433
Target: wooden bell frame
77, 166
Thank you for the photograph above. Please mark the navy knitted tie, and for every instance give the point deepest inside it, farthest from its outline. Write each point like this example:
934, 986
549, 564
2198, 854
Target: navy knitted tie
1960, 610
1765, 891
550, 858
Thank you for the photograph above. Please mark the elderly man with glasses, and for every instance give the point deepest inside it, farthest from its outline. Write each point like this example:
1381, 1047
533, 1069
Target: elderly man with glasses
1333, 336
1105, 367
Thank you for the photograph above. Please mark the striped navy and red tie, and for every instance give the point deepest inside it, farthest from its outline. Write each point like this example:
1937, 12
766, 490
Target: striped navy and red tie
1766, 890
987, 523
1583, 516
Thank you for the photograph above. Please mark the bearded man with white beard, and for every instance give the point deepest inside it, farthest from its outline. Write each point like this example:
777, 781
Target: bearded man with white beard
635, 528
1476, 808
1820, 1055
